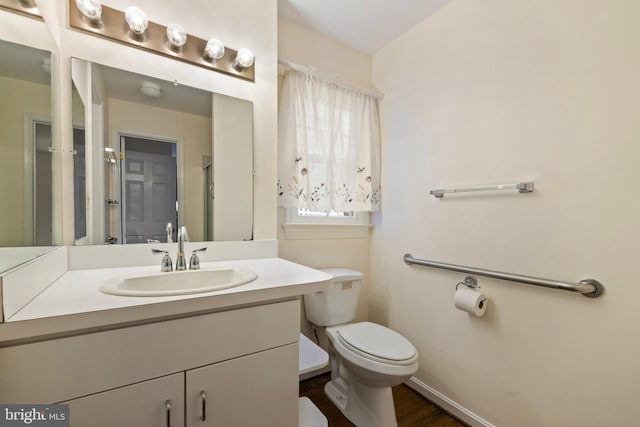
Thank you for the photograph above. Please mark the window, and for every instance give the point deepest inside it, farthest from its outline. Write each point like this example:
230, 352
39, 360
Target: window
329, 148
306, 224
338, 217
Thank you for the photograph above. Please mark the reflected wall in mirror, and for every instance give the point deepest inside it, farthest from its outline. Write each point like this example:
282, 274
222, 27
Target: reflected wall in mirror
25, 141
79, 169
167, 155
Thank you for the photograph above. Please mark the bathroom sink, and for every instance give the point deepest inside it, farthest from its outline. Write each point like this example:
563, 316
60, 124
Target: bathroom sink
178, 282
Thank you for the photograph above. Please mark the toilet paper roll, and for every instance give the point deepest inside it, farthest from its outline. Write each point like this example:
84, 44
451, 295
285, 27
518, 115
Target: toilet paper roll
470, 300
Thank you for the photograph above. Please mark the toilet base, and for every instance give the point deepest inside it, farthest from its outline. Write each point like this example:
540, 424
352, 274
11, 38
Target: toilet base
363, 405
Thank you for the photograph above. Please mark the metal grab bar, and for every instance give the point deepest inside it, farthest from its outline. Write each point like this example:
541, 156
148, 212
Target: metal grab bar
588, 287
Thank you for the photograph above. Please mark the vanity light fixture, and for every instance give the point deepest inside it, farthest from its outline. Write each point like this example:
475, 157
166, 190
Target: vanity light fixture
176, 35
150, 90
91, 9
136, 20
244, 59
28, 3
214, 49
25, 7
134, 29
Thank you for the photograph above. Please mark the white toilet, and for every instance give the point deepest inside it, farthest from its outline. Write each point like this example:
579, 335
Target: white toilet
367, 359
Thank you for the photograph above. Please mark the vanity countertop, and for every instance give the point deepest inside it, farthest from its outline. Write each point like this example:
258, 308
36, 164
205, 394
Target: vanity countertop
73, 304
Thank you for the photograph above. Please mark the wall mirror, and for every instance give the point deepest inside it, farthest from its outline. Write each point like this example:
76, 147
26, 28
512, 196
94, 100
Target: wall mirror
26, 211
154, 155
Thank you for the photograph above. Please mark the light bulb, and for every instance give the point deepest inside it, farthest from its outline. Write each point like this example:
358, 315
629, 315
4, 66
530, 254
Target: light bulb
92, 9
244, 59
214, 49
177, 35
136, 19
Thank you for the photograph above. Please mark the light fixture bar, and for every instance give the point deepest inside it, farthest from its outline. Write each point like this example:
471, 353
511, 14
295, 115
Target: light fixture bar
113, 27
23, 8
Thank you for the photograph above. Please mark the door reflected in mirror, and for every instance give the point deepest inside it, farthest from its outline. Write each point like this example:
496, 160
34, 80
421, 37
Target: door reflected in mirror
160, 155
149, 177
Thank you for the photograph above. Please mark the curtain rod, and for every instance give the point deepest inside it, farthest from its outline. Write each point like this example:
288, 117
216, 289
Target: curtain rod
315, 73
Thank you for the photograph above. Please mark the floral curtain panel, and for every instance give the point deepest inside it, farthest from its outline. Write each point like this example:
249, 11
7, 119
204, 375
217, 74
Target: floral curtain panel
329, 147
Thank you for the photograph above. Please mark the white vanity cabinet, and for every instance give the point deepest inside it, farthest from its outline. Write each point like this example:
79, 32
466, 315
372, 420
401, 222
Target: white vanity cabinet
253, 390
158, 402
245, 360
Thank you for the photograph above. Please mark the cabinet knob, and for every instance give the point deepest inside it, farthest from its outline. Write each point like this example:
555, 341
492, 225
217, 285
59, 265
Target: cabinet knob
203, 397
167, 407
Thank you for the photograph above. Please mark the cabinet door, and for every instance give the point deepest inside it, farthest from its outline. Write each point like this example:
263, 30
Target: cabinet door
141, 405
256, 390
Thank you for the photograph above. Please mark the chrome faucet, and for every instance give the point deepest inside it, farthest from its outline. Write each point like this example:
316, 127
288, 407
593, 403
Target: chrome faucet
181, 263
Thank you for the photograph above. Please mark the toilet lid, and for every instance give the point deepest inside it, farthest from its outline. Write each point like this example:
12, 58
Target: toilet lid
377, 340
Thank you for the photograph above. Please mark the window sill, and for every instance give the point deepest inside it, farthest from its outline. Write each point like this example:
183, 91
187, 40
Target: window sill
325, 231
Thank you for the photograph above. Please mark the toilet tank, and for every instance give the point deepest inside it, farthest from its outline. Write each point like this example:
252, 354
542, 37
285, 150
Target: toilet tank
338, 304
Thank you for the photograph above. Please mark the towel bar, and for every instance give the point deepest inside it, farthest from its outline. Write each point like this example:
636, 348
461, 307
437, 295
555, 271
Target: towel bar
522, 187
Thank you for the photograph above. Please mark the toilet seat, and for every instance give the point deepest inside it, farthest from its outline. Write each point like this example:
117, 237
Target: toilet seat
378, 343
367, 367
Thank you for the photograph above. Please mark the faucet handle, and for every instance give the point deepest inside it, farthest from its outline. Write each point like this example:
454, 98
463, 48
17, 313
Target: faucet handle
194, 261
166, 264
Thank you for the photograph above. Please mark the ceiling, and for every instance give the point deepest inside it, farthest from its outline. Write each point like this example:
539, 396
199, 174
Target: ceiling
24, 63
125, 85
365, 25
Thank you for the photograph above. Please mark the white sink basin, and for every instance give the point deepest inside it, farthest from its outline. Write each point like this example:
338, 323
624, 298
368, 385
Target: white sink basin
178, 282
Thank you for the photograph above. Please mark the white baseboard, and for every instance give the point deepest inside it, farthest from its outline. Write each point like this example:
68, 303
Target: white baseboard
454, 408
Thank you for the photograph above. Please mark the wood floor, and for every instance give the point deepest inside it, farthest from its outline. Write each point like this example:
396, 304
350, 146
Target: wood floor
411, 408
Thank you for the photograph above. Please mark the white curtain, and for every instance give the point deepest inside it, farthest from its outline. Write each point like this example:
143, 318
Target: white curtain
329, 146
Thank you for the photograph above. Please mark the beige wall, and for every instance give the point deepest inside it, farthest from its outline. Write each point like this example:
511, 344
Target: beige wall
232, 169
77, 109
495, 92
309, 48
192, 131
306, 47
19, 97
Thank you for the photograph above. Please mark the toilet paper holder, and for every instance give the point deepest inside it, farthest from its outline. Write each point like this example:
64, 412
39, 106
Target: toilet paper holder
469, 281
